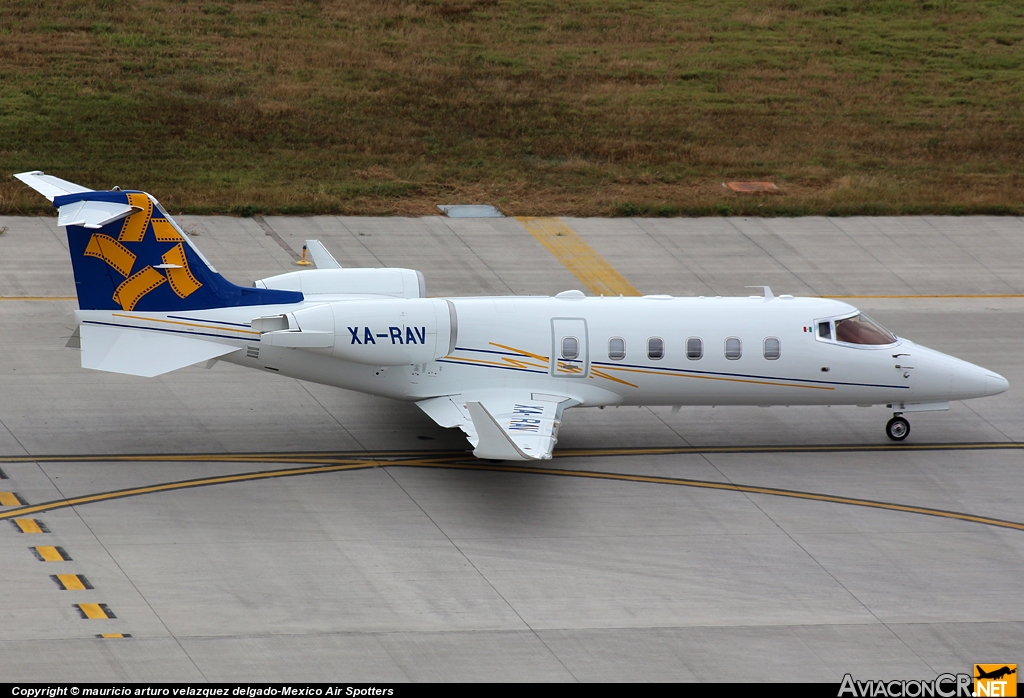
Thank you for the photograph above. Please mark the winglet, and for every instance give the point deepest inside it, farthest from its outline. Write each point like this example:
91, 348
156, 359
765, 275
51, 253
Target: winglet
321, 257
494, 441
503, 424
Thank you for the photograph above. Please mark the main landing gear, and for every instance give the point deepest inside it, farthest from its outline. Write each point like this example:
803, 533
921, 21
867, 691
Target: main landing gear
898, 428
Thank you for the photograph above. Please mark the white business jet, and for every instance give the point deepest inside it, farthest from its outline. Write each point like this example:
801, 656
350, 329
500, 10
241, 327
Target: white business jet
502, 369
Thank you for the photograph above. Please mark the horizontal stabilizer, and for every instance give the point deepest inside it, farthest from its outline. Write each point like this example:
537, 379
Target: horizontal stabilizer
143, 352
93, 214
50, 186
321, 257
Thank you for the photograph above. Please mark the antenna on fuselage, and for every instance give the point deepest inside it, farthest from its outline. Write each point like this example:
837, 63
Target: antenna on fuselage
768, 295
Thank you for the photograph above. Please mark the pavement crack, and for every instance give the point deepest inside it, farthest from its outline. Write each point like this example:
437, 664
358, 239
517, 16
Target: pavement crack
262, 222
16, 439
337, 421
483, 576
749, 497
124, 573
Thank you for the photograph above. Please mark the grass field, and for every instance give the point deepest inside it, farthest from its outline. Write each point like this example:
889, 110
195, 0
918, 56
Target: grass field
585, 107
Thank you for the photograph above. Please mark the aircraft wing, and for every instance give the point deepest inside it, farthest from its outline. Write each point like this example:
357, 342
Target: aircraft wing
503, 424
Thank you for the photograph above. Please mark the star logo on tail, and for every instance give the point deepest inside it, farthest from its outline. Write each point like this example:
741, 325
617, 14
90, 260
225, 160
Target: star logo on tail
172, 270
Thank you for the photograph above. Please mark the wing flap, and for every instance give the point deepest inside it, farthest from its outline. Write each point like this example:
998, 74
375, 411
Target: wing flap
143, 352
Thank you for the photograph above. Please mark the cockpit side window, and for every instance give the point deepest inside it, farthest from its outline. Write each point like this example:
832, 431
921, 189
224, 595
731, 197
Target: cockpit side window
860, 329
825, 330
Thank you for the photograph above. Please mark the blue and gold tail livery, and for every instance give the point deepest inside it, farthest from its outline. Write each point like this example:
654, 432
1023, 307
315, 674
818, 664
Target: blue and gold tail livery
129, 255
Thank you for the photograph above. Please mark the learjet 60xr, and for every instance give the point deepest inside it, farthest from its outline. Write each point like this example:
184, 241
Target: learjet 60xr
502, 369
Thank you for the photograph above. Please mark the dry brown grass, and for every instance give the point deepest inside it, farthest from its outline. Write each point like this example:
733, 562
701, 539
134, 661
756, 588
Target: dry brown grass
539, 107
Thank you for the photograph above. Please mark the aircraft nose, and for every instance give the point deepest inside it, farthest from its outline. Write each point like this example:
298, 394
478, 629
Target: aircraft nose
995, 384
952, 378
974, 381
969, 380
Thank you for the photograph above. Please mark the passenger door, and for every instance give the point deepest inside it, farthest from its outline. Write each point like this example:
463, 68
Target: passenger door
570, 348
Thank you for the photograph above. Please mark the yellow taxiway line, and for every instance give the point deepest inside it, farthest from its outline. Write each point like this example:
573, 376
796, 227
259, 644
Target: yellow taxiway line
578, 257
448, 462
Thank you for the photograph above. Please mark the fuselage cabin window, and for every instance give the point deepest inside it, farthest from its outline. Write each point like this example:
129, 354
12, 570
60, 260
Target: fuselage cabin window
616, 348
694, 348
772, 348
733, 348
655, 348
570, 348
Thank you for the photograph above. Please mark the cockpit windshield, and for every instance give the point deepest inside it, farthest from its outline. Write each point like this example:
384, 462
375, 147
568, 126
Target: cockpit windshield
860, 329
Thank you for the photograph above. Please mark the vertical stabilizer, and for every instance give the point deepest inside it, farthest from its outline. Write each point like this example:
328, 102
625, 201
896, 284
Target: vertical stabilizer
128, 254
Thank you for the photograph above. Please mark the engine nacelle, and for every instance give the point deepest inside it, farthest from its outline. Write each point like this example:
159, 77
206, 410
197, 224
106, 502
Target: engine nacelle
376, 332
392, 283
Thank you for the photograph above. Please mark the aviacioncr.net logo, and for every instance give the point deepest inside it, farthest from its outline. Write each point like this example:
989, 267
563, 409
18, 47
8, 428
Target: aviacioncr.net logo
942, 686
995, 680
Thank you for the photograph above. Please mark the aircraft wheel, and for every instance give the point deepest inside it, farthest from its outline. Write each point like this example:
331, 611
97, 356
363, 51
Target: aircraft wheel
897, 429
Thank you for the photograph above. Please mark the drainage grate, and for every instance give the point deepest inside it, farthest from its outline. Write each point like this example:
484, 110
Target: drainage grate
470, 211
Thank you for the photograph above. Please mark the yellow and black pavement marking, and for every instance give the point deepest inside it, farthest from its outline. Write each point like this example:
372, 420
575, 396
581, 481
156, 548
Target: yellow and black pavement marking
330, 464
29, 525
110, 636
71, 582
94, 611
11, 499
50, 553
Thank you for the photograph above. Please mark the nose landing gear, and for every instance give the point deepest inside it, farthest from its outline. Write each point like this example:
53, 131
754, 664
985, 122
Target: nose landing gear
898, 428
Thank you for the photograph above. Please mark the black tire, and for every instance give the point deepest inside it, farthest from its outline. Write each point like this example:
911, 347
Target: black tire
897, 429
